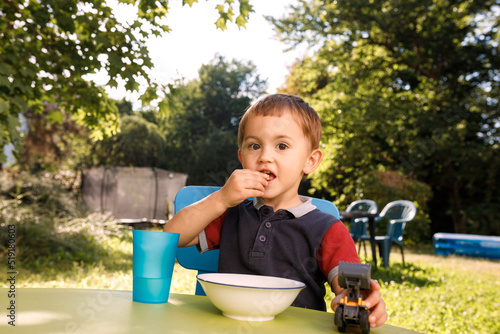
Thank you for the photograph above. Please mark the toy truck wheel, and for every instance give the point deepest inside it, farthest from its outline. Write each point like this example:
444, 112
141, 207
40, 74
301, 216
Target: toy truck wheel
339, 319
364, 325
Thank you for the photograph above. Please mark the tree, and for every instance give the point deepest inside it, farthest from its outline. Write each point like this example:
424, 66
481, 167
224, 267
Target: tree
47, 145
410, 86
203, 115
139, 143
48, 47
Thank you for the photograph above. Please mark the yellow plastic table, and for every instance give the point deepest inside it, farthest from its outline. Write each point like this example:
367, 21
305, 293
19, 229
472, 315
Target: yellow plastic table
90, 311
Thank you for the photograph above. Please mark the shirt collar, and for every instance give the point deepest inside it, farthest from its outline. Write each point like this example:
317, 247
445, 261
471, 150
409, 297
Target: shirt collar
297, 211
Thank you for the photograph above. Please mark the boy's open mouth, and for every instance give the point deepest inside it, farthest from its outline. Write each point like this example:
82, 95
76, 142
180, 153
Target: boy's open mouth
270, 175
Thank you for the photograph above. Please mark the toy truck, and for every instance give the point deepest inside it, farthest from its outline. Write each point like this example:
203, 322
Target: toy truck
351, 309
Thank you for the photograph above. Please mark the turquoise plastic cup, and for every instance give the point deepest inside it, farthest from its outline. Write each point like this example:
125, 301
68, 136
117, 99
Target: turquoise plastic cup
151, 290
153, 265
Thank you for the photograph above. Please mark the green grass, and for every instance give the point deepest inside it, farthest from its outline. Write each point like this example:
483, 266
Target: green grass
113, 272
435, 294
431, 294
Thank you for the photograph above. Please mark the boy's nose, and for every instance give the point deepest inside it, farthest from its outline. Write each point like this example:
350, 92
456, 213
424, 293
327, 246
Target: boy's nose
265, 155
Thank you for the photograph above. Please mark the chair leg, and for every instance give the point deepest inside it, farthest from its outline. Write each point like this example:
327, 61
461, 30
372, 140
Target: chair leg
364, 247
360, 241
402, 254
199, 289
384, 251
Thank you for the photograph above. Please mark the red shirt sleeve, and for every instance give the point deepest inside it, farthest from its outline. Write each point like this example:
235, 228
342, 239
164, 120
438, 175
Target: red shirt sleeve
337, 245
212, 232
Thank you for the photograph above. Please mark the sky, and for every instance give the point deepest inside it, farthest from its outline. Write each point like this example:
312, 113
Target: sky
194, 40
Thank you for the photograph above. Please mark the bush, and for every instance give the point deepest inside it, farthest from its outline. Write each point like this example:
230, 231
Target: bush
139, 143
386, 186
50, 225
46, 191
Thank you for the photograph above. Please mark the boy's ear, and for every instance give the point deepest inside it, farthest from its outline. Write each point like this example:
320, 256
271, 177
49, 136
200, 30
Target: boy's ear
313, 161
239, 156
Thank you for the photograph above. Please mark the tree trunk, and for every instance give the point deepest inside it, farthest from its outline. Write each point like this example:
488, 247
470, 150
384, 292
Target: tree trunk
456, 209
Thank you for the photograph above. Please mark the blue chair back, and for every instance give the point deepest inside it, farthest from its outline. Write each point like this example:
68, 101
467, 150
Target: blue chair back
207, 262
398, 213
359, 225
364, 205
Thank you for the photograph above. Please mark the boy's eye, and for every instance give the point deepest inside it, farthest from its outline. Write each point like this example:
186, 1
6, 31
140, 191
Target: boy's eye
254, 146
282, 146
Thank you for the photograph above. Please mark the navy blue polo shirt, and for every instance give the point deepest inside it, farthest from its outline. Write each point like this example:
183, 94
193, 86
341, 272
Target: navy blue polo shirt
300, 243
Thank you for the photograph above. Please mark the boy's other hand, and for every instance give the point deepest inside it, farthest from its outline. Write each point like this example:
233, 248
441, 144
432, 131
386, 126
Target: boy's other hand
376, 305
242, 184
374, 302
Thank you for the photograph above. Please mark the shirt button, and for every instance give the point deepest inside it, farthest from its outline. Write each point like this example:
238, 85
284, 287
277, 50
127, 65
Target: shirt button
268, 224
262, 238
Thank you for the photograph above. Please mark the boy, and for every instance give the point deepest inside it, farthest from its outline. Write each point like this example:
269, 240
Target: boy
279, 233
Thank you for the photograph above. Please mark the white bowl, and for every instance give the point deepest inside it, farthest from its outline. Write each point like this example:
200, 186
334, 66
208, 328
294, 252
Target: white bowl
250, 297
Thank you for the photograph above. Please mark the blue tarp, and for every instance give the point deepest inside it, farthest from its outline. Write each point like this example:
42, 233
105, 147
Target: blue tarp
467, 245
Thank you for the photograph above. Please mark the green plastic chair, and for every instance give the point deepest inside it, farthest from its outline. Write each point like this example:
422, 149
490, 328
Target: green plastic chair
397, 213
207, 262
359, 226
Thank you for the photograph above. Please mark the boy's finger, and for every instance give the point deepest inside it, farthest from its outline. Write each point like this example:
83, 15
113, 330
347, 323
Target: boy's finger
262, 179
247, 178
258, 185
373, 296
336, 300
376, 304
257, 180
378, 315
253, 174
374, 285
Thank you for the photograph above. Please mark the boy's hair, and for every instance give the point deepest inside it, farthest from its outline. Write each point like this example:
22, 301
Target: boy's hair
276, 105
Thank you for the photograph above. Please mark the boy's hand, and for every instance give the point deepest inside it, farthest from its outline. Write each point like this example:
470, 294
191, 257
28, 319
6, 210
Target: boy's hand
242, 184
376, 305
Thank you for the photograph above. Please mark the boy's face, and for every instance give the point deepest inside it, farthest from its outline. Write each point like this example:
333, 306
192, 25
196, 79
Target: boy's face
278, 147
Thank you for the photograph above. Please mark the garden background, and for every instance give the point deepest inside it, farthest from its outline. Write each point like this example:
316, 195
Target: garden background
407, 93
